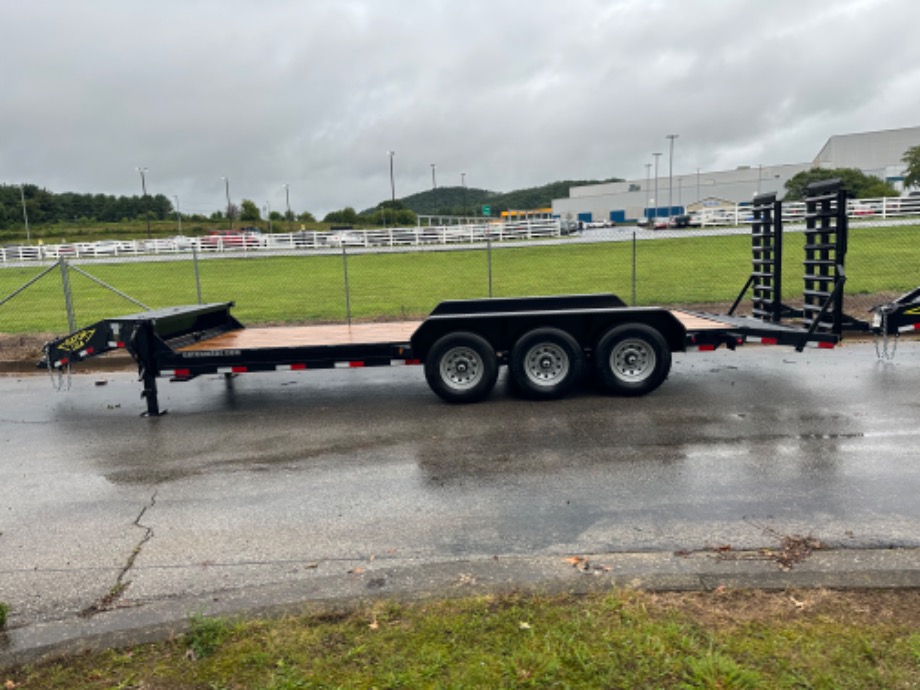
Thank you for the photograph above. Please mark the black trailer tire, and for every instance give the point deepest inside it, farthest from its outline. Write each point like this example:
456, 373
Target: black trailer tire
632, 359
545, 363
461, 367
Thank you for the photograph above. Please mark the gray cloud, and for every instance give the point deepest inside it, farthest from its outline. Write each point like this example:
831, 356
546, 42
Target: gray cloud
314, 93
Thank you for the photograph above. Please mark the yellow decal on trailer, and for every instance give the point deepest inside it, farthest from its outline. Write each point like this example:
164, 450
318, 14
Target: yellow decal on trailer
77, 341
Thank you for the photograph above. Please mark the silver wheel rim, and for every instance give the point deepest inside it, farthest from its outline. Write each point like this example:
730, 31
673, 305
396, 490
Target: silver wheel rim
546, 364
461, 368
633, 360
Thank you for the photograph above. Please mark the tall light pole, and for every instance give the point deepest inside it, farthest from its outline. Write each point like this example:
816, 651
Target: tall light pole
268, 214
178, 215
229, 205
434, 187
287, 201
698, 197
648, 175
25, 214
655, 200
143, 172
392, 179
463, 184
672, 137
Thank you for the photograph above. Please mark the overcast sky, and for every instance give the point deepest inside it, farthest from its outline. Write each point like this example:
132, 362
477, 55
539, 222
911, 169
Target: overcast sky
314, 93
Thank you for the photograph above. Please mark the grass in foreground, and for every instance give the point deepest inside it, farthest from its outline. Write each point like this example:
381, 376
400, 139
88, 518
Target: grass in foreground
811, 639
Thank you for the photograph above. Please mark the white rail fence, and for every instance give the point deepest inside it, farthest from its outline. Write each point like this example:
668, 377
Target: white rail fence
883, 208
225, 241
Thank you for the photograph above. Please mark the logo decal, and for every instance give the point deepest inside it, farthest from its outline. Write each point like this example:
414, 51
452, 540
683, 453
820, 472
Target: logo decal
77, 341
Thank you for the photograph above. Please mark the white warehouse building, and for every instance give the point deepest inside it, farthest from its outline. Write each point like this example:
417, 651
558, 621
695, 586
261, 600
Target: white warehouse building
875, 153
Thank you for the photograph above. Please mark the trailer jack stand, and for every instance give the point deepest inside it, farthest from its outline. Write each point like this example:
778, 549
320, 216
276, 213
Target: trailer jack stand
150, 394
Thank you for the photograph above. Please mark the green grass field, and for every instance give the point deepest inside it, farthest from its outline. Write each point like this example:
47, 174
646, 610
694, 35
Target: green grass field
309, 288
740, 640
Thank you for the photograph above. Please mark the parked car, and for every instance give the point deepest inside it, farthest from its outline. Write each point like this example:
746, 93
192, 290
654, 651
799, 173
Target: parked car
106, 247
344, 238
227, 239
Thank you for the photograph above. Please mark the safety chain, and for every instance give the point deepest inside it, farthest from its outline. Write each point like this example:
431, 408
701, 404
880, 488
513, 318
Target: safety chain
58, 383
881, 338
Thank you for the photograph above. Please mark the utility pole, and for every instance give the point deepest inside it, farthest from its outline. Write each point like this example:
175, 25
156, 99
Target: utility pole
648, 175
142, 171
178, 215
287, 201
25, 214
463, 184
672, 137
229, 205
392, 179
434, 187
655, 200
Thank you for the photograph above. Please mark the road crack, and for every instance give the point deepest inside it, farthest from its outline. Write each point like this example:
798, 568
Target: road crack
110, 599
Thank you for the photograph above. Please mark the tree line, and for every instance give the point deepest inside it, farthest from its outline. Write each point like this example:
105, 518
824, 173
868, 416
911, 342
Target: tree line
44, 208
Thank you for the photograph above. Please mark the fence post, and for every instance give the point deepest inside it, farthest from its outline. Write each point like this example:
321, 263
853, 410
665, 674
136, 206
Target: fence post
347, 290
197, 273
634, 268
489, 254
68, 297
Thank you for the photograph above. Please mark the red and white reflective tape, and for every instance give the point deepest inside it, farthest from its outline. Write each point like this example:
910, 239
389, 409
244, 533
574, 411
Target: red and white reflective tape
116, 343
911, 327
763, 340
819, 345
701, 348
239, 369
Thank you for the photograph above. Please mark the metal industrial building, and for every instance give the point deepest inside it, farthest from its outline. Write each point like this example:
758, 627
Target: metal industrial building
875, 153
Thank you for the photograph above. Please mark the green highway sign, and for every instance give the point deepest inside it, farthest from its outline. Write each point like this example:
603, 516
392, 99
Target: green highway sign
487, 210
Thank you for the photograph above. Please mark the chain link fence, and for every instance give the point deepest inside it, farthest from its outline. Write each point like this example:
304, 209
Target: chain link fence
272, 284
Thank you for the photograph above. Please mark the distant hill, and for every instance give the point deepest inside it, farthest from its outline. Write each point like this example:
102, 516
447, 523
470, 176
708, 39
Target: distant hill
457, 201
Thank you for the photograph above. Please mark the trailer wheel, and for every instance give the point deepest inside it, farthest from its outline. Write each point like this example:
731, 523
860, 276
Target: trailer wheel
545, 363
632, 359
461, 367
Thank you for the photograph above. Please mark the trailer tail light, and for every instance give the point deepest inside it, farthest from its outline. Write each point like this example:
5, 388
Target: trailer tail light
291, 367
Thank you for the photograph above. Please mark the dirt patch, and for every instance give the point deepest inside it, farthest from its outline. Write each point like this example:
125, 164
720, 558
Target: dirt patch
726, 608
22, 347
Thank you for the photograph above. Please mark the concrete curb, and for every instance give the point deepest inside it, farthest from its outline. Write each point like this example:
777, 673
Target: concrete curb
701, 571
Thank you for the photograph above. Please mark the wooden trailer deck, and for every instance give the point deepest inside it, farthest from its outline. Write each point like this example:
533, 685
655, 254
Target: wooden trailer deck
299, 336
361, 334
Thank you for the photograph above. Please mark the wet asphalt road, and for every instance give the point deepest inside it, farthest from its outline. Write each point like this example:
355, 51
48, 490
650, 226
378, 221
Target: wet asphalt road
275, 478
